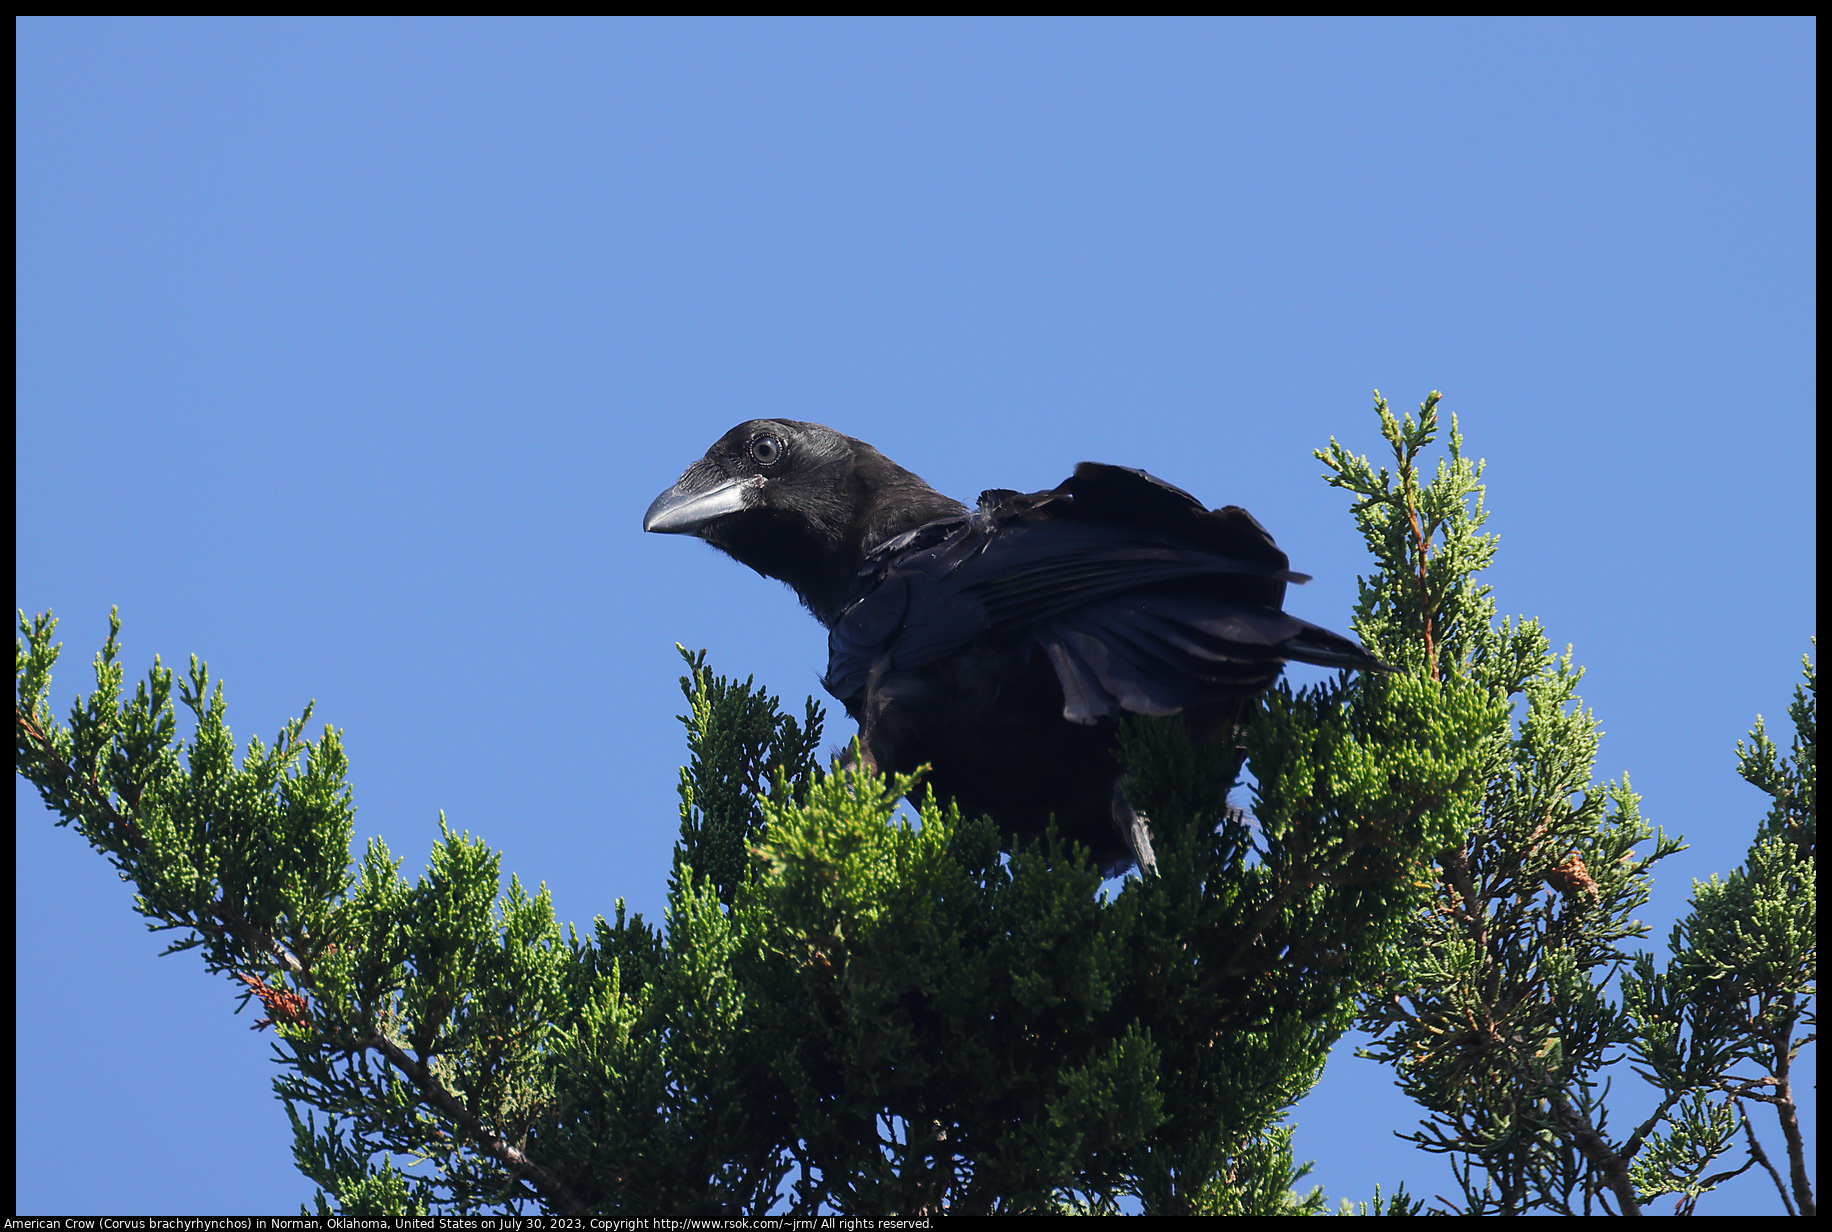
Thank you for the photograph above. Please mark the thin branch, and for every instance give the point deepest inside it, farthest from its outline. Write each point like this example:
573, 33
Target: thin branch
1790, 1120
1760, 1156
550, 1186
1605, 1159
1422, 546
85, 786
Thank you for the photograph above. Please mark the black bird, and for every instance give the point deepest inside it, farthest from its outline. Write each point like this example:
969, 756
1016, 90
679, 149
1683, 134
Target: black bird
1000, 645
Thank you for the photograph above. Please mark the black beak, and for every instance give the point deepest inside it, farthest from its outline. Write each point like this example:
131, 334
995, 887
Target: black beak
702, 496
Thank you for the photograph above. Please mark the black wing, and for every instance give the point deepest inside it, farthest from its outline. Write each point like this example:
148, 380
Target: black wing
1145, 601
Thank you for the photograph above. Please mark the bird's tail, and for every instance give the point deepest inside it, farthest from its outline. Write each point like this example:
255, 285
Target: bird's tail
1319, 646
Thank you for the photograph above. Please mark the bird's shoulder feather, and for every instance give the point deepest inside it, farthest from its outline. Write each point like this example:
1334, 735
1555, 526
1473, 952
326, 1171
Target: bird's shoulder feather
1072, 565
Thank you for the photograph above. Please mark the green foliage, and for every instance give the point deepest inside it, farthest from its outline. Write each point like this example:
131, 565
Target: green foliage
418, 1017
1714, 1031
847, 1011
732, 760
1399, 1202
1791, 784
211, 848
1496, 1014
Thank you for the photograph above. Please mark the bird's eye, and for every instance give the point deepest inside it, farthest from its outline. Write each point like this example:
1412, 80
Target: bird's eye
766, 449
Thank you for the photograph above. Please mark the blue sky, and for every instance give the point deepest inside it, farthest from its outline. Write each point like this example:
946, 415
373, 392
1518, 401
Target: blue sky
351, 352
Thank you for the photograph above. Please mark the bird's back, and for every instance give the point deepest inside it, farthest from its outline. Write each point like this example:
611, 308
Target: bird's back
1001, 646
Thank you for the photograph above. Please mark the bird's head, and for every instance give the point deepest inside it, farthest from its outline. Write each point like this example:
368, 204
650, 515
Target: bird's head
796, 501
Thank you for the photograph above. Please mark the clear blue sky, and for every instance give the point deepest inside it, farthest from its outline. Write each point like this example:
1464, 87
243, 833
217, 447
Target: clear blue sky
351, 352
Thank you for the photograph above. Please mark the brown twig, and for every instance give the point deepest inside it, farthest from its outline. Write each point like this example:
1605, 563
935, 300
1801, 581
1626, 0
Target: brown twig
1783, 1100
1594, 1147
549, 1185
74, 783
1423, 547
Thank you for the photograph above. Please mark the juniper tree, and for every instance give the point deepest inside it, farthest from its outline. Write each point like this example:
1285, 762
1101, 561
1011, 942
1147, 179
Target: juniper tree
847, 1010
1498, 1015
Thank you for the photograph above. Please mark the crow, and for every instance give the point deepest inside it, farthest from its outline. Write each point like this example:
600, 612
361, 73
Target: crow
1000, 645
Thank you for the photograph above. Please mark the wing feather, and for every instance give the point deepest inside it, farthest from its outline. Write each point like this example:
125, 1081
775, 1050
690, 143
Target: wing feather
1144, 602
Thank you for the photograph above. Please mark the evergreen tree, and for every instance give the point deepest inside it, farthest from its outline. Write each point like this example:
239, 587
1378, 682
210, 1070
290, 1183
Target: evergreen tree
1497, 1015
846, 1011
